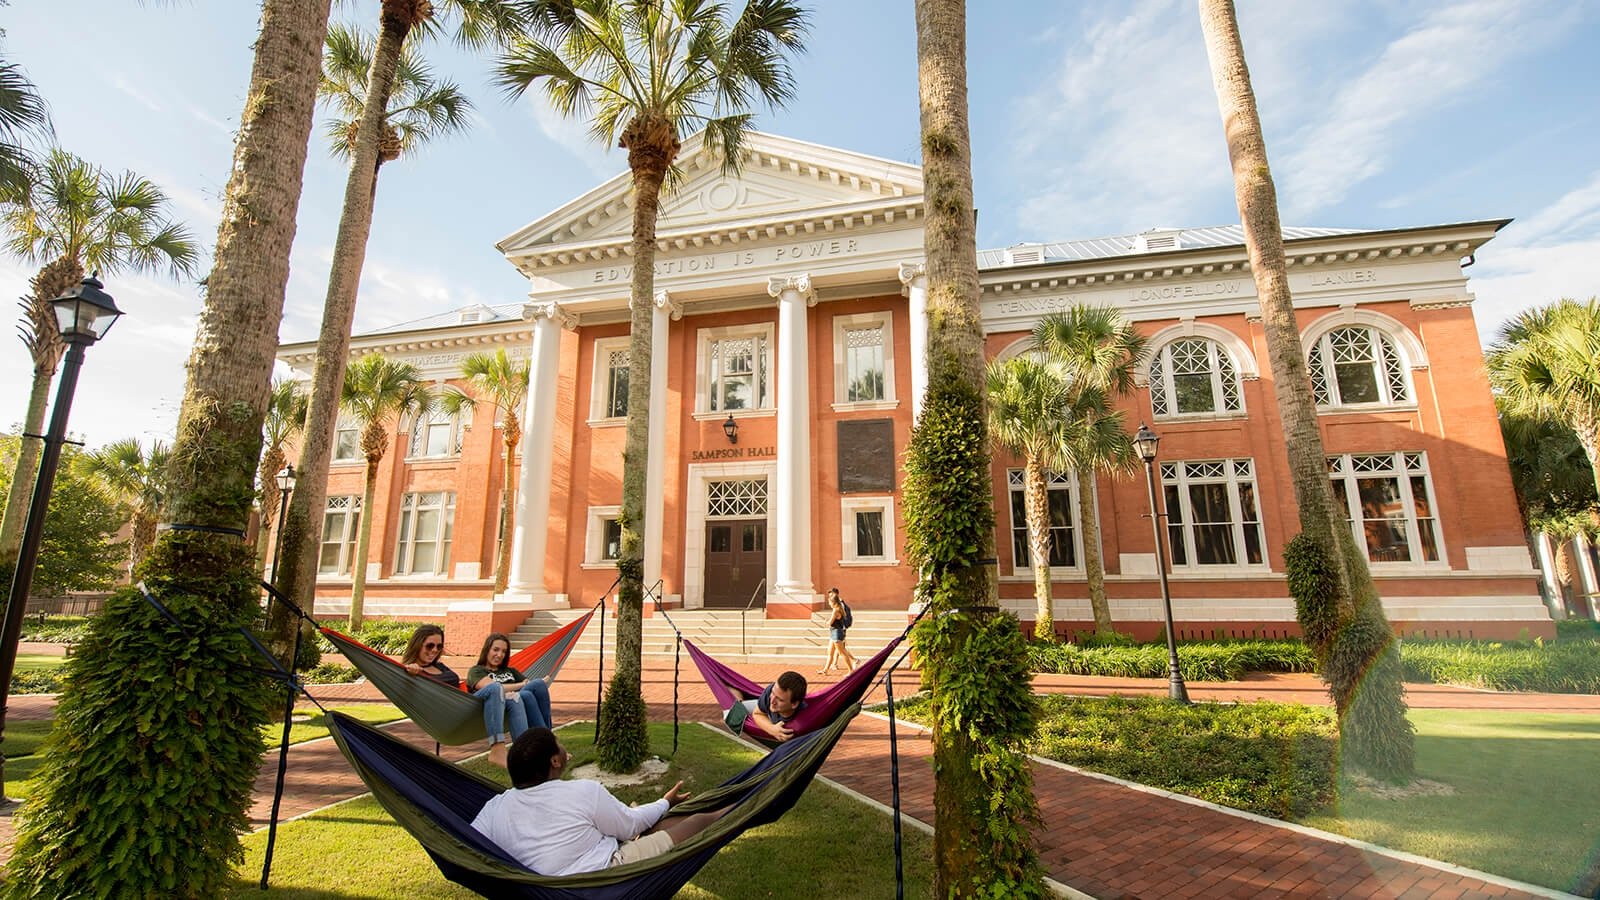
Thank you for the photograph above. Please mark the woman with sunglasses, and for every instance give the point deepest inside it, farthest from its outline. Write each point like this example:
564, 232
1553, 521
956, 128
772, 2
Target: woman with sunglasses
422, 656
508, 698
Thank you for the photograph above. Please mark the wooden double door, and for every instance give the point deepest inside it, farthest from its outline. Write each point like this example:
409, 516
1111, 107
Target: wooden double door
736, 562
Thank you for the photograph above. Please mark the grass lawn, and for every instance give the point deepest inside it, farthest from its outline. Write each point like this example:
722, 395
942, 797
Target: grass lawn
316, 726
38, 661
827, 846
1524, 805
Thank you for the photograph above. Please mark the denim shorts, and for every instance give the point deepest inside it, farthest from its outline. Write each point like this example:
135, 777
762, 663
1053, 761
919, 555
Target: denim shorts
836, 634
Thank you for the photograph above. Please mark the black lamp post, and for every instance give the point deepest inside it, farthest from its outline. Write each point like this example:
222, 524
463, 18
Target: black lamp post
83, 315
285, 480
1145, 441
731, 429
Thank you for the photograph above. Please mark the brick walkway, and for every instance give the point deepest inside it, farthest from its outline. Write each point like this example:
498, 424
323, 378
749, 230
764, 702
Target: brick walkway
1099, 837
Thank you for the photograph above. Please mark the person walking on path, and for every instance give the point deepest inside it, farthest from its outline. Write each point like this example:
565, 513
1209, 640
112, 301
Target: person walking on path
839, 622
506, 694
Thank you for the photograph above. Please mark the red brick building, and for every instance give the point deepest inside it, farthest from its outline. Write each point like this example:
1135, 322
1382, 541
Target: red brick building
789, 334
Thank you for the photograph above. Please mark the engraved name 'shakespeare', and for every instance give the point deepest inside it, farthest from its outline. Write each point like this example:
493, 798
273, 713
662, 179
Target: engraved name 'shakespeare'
737, 259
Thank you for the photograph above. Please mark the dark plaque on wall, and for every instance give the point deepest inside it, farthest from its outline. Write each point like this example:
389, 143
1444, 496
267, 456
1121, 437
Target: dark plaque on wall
866, 456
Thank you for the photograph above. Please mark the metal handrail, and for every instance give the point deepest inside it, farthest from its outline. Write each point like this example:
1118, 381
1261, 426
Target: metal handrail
744, 647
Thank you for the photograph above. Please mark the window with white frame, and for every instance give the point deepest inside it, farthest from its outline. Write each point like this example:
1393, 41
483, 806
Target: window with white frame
1212, 515
1061, 503
341, 524
867, 525
347, 441
1357, 365
735, 369
1389, 501
603, 538
863, 359
437, 433
610, 393
427, 520
1193, 375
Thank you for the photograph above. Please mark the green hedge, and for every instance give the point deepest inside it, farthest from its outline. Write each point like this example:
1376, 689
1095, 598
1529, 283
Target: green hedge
1201, 661
38, 681
1564, 667
332, 673
384, 635
55, 629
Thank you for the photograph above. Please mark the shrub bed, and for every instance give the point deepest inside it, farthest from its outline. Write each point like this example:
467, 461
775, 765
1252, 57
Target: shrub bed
1201, 661
384, 635
55, 629
332, 673
1564, 667
38, 681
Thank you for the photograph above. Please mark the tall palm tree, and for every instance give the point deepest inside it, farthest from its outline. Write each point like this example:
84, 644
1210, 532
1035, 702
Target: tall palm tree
1099, 350
24, 118
199, 567
137, 479
376, 392
647, 73
70, 216
983, 797
1027, 416
286, 416
386, 104
1362, 654
1545, 365
504, 383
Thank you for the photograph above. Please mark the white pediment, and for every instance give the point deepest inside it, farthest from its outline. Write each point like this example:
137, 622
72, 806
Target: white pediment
777, 178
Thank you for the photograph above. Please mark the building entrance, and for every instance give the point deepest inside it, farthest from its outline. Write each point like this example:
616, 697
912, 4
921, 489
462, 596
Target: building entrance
736, 562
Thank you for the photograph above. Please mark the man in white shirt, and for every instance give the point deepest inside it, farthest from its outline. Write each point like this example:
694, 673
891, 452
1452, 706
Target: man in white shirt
557, 827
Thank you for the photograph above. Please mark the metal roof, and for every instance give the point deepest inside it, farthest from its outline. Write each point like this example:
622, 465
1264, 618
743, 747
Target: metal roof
1128, 244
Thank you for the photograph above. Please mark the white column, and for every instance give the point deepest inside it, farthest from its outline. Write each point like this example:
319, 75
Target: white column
1583, 552
793, 489
1547, 569
526, 581
655, 486
914, 285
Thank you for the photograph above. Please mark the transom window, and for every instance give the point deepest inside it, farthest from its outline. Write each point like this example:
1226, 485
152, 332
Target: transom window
736, 499
1389, 501
1357, 365
1212, 515
438, 433
1193, 375
1062, 506
341, 524
427, 521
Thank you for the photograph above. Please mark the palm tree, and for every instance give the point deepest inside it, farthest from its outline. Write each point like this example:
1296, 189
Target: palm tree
286, 416
1027, 416
23, 118
983, 797
1545, 365
648, 72
1358, 649
504, 383
386, 104
376, 392
138, 482
1099, 350
199, 568
70, 216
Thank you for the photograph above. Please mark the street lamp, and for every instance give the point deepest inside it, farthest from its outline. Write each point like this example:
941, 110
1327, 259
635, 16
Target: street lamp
83, 315
285, 480
1145, 442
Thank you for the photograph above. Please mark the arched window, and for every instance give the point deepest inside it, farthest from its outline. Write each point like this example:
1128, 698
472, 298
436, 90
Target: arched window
1193, 375
1357, 365
437, 433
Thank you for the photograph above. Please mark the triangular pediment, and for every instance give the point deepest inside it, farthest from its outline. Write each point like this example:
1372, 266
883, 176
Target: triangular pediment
778, 177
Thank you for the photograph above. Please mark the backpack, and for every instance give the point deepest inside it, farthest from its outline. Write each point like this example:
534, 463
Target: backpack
849, 618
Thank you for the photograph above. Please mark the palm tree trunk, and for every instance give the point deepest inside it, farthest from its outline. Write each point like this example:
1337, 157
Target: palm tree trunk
358, 572
1036, 503
502, 562
267, 476
302, 522
1365, 656
1093, 567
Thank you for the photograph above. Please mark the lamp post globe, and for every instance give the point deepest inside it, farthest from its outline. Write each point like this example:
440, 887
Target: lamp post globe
1147, 442
83, 316
730, 427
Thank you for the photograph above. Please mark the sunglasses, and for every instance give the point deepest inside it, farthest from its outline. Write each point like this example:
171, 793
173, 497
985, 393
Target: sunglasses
432, 645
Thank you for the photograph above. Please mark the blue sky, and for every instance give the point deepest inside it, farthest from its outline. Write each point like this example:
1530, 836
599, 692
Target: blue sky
1088, 119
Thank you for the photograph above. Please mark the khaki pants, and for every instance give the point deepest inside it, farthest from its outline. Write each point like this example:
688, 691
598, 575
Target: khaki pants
642, 847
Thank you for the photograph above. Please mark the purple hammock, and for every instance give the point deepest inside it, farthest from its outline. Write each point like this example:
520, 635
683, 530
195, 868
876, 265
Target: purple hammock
732, 689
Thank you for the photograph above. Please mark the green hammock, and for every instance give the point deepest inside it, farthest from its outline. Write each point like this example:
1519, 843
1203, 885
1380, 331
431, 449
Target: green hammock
448, 714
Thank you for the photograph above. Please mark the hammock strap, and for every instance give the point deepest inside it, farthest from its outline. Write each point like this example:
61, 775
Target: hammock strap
894, 787
677, 658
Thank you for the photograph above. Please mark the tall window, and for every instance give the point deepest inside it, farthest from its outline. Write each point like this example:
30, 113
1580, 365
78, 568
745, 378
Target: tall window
738, 373
437, 433
1212, 516
1193, 375
426, 523
341, 523
1357, 365
863, 364
1062, 504
616, 384
1389, 502
347, 441
867, 531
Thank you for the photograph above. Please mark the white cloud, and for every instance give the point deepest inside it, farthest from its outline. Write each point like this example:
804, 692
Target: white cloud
1576, 212
1552, 254
1442, 59
122, 84
573, 136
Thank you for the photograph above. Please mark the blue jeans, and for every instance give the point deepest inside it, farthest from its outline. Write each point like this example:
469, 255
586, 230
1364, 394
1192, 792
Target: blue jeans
528, 707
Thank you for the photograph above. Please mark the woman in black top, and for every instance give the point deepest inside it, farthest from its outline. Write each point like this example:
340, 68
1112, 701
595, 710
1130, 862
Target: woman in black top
422, 656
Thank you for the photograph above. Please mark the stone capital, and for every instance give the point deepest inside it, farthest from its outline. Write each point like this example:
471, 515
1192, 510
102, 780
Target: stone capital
912, 275
664, 302
797, 285
535, 310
